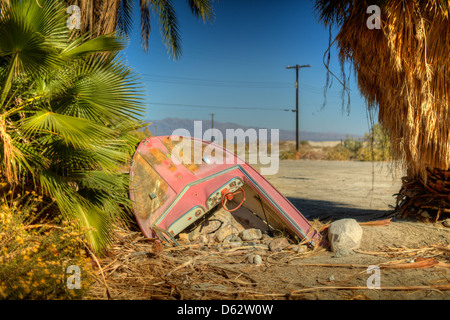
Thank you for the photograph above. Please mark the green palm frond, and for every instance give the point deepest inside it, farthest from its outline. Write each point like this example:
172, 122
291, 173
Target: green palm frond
69, 159
75, 131
108, 42
67, 110
101, 93
95, 221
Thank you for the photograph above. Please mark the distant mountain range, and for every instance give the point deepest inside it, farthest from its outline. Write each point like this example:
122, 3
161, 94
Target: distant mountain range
169, 125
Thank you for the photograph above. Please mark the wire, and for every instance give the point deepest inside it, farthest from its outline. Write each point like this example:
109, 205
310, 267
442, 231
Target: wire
265, 216
212, 82
217, 107
234, 84
220, 85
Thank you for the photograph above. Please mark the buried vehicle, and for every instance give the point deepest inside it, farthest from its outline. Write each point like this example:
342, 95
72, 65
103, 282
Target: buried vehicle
177, 181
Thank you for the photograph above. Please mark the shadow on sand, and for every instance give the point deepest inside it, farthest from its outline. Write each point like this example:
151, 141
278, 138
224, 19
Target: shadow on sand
330, 211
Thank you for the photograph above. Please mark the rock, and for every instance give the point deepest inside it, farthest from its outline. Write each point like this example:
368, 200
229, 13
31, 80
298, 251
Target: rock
297, 248
257, 259
344, 236
266, 237
254, 259
425, 214
184, 237
211, 226
194, 235
223, 233
201, 239
300, 248
278, 244
235, 244
232, 240
228, 238
446, 223
251, 234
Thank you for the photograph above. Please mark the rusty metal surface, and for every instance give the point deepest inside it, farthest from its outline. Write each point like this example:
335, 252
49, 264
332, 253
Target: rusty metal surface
147, 181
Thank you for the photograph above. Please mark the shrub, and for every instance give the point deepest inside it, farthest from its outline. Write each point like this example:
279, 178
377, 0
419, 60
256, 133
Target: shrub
34, 257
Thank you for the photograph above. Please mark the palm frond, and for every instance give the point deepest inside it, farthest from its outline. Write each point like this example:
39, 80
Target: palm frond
75, 131
145, 23
91, 218
169, 26
201, 9
402, 70
125, 17
26, 39
103, 43
66, 113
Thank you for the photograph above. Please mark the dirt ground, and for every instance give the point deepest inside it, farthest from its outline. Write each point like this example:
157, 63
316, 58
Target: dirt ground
330, 190
413, 256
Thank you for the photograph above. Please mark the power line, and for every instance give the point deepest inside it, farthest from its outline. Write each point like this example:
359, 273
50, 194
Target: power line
233, 84
217, 107
213, 82
220, 85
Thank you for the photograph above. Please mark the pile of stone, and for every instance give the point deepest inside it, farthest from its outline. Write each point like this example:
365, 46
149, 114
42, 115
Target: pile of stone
226, 230
245, 230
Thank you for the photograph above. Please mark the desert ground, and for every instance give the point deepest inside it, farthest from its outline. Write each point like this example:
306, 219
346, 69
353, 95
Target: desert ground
413, 256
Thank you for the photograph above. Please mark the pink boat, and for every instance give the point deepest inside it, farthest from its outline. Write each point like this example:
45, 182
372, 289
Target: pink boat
171, 190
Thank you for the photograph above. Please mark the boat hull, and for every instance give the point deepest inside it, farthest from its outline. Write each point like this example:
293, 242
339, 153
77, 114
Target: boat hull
171, 189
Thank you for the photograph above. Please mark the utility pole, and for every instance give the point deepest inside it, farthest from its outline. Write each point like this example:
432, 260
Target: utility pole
212, 126
297, 67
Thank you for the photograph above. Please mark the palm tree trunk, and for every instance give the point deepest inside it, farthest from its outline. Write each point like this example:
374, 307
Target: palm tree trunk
427, 200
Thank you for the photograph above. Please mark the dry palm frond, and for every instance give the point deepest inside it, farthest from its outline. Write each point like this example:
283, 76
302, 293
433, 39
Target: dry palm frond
8, 152
403, 69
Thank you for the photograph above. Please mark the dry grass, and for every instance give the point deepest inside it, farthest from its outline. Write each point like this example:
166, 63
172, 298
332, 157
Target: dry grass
139, 268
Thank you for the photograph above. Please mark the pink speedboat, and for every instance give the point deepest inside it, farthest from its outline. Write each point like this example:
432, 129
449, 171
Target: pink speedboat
171, 190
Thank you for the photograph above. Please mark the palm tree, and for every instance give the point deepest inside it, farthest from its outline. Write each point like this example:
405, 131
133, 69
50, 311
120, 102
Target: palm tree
105, 16
403, 70
66, 115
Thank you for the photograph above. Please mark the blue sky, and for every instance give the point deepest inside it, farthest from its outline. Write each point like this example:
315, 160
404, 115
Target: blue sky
238, 61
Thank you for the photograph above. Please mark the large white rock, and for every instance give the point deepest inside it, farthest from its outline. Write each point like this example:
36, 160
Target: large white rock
344, 235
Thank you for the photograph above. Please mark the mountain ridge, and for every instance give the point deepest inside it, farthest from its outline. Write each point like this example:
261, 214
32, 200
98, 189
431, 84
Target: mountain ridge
168, 125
